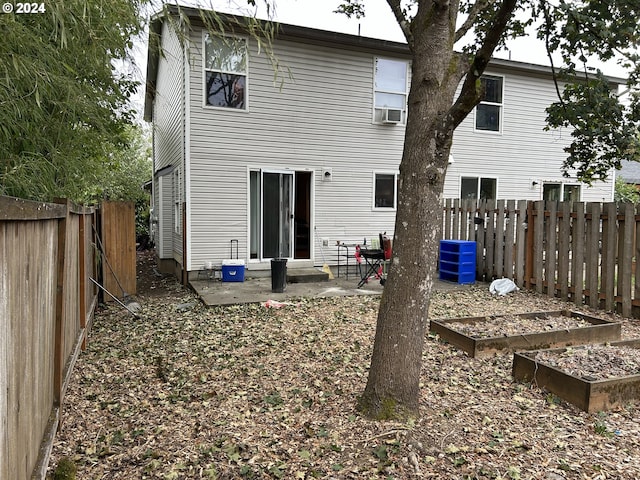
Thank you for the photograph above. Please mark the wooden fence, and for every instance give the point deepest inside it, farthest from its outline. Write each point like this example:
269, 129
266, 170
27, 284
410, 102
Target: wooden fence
580, 252
46, 309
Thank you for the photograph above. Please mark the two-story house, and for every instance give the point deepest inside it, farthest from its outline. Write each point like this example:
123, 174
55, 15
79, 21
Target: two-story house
280, 161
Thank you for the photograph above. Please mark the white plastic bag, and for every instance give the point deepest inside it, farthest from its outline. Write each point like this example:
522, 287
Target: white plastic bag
503, 286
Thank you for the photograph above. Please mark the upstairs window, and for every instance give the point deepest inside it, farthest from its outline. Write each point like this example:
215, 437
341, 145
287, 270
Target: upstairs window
489, 110
391, 85
225, 67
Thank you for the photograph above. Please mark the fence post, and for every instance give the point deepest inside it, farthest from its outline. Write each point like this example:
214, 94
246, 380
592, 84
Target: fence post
636, 262
625, 258
609, 248
550, 257
59, 325
577, 257
528, 257
82, 274
593, 253
564, 234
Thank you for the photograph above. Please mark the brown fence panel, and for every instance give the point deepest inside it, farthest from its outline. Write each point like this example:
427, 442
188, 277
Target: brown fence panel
521, 239
40, 298
627, 230
592, 256
564, 234
584, 253
28, 266
489, 240
550, 244
118, 236
609, 249
578, 242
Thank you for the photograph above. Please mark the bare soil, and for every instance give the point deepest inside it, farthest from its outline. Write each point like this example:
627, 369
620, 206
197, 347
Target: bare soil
249, 392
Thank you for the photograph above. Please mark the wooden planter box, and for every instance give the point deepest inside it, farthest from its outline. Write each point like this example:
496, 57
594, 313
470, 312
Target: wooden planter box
588, 395
600, 331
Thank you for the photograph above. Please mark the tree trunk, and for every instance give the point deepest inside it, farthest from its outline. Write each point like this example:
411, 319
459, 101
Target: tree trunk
393, 386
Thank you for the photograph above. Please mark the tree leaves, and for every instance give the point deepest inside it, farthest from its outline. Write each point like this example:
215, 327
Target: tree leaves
65, 108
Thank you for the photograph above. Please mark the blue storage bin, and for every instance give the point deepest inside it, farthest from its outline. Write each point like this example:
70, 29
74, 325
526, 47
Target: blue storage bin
458, 261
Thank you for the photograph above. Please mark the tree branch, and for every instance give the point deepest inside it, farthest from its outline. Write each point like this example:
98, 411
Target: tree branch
470, 92
471, 18
401, 18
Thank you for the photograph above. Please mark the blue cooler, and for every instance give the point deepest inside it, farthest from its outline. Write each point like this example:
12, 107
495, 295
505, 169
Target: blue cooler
233, 270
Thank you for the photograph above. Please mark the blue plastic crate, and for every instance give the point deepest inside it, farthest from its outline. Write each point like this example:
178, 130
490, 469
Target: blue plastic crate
458, 261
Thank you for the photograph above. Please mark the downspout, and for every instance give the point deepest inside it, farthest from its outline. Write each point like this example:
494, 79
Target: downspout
186, 156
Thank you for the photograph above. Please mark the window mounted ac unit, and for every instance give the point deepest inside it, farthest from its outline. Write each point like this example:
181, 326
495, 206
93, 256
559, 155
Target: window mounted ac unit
391, 115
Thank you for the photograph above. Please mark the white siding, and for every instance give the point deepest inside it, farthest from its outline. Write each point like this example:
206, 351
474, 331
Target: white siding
320, 118
522, 153
168, 136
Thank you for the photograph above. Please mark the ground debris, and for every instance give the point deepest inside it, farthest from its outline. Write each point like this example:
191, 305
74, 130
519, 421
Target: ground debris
593, 362
511, 325
247, 392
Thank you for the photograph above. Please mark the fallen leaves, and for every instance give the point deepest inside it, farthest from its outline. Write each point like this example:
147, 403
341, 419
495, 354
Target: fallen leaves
250, 392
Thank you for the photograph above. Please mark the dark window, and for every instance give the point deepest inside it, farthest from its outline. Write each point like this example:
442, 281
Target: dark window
225, 90
489, 109
385, 190
474, 187
225, 65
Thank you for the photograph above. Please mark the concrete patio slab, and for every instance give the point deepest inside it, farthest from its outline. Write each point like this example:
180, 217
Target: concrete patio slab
258, 290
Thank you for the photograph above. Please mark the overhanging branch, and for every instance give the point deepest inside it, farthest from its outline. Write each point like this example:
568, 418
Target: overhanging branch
471, 18
405, 25
470, 94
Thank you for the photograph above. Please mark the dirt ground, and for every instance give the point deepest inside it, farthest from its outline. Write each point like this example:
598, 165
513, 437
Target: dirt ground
249, 392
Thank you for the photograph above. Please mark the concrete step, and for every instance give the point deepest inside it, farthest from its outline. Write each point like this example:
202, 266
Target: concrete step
306, 275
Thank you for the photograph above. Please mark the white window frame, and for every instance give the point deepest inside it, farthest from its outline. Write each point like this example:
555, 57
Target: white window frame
395, 191
479, 179
497, 104
377, 111
562, 187
205, 34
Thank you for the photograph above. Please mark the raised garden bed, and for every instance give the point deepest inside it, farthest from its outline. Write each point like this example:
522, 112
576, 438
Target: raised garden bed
483, 336
597, 378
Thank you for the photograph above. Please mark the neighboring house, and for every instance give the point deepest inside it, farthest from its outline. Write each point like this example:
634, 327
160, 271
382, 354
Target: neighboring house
282, 163
630, 172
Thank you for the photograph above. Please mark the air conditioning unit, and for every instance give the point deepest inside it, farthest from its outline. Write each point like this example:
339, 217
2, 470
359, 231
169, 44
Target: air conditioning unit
391, 115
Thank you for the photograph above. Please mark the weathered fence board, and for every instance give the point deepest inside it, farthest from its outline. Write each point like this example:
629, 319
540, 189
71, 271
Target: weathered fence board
578, 241
580, 252
45, 259
118, 235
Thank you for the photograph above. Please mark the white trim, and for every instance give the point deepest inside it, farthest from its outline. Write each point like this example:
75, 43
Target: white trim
187, 156
562, 184
479, 179
407, 87
501, 105
204, 75
286, 171
395, 174
160, 218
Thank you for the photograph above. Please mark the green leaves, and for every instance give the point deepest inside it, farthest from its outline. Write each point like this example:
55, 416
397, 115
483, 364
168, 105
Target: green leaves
65, 109
604, 132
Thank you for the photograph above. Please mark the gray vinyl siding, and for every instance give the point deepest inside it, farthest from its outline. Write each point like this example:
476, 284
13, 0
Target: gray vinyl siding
165, 217
291, 126
320, 118
523, 152
169, 134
